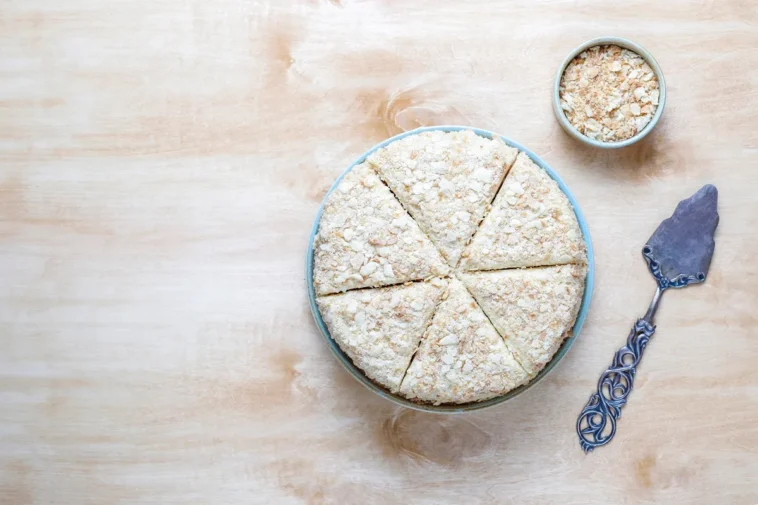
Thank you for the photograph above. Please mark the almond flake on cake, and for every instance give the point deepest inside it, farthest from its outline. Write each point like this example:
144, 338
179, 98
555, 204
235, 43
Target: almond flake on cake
531, 223
366, 239
446, 181
533, 309
461, 358
380, 329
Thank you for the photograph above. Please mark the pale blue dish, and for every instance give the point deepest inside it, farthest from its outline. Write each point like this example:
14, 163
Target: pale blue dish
358, 374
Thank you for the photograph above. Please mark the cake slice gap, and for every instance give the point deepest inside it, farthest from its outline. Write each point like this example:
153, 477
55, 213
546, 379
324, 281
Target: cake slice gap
533, 309
446, 181
366, 239
461, 358
380, 329
531, 224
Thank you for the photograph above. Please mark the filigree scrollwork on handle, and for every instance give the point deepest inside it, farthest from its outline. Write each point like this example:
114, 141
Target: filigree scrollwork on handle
597, 423
664, 282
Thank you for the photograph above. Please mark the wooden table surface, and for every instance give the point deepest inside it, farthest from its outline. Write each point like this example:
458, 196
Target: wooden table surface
161, 164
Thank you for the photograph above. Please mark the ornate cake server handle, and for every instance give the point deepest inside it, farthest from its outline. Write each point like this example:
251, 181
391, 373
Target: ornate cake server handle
596, 425
678, 254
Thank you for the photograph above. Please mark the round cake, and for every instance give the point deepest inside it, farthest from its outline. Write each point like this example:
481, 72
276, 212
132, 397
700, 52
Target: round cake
449, 267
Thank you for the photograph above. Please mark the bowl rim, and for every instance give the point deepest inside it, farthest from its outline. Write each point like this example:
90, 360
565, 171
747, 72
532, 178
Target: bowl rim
627, 44
468, 407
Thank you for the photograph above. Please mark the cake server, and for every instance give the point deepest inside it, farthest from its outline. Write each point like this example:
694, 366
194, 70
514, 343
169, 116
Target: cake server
678, 254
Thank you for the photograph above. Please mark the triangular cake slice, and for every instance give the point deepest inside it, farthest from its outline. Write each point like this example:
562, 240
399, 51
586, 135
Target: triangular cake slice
366, 239
533, 309
380, 329
462, 358
531, 223
446, 181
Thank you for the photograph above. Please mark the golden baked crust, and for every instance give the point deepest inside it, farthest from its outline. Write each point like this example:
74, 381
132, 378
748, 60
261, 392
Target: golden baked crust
379, 329
531, 223
366, 239
533, 309
445, 180
462, 358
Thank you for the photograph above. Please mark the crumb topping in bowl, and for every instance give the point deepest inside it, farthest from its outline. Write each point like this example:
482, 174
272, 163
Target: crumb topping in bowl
609, 93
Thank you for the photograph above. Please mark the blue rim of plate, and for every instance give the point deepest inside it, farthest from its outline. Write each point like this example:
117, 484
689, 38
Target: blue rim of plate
468, 407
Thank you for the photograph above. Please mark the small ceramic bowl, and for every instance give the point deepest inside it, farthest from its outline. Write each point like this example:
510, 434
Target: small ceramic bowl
397, 399
604, 41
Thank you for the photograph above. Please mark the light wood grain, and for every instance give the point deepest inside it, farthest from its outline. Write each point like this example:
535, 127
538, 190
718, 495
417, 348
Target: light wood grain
162, 161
